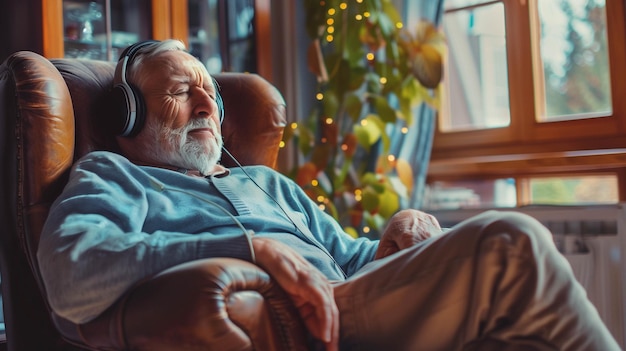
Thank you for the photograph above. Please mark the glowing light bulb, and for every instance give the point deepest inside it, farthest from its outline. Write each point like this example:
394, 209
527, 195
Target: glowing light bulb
358, 194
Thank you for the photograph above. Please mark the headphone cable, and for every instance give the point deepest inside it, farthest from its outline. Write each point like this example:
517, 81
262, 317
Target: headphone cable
294, 222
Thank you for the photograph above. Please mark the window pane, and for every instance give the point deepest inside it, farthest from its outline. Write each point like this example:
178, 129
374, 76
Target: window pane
575, 59
453, 4
470, 194
583, 190
476, 72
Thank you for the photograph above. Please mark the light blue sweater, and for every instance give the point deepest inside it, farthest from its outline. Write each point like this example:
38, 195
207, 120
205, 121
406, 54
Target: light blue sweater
117, 223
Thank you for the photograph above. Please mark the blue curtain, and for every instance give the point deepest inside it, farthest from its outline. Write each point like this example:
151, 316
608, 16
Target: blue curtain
416, 145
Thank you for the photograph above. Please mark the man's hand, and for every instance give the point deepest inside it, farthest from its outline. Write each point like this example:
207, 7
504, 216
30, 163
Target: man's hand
306, 285
405, 229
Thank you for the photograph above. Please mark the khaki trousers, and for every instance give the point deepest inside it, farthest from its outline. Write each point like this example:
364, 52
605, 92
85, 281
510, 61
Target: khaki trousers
493, 282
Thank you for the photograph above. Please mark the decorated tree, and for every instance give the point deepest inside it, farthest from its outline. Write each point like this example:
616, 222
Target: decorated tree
371, 74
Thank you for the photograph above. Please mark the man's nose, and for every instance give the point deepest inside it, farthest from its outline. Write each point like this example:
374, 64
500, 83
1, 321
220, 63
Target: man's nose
205, 105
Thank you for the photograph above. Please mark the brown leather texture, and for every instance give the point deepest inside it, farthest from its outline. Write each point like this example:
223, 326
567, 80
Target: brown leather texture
53, 112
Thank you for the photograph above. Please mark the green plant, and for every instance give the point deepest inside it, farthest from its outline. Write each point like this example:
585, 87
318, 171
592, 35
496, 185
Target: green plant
371, 74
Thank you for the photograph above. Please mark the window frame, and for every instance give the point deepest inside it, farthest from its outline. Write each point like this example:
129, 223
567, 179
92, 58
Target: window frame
527, 147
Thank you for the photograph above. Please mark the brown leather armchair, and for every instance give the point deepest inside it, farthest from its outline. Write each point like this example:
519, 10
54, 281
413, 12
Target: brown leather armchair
51, 114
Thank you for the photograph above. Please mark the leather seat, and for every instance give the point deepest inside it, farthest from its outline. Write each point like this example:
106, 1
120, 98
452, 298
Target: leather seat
55, 111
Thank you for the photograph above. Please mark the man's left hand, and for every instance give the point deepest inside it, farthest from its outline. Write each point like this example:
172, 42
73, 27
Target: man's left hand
405, 229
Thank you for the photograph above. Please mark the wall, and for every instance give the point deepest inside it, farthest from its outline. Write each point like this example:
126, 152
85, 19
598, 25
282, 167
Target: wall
20, 27
290, 73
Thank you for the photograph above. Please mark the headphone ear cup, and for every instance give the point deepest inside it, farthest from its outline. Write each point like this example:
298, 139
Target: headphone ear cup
140, 108
130, 115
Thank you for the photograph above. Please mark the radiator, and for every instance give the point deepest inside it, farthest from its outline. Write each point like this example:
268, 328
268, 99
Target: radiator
593, 239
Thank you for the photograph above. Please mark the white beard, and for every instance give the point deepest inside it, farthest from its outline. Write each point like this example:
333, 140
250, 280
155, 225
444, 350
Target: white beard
174, 147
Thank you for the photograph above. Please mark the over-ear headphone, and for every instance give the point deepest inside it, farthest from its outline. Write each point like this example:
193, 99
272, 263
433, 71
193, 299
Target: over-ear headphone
218, 100
131, 115
128, 98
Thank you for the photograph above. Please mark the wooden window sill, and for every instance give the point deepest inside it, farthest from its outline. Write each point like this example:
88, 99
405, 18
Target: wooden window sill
515, 165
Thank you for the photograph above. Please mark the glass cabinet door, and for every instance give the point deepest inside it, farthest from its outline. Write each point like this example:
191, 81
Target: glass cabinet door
101, 29
222, 34
204, 29
240, 15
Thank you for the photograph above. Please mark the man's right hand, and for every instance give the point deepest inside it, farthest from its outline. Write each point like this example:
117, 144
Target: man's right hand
307, 287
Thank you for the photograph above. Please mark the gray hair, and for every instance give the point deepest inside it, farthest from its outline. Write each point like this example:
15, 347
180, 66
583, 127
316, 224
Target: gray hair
148, 51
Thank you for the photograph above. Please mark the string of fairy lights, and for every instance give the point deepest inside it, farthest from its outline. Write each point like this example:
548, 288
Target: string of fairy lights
329, 36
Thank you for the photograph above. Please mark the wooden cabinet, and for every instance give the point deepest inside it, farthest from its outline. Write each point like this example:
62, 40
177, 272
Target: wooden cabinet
41, 26
226, 35
99, 29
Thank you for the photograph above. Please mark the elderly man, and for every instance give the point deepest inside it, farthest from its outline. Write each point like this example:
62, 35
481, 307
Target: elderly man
495, 282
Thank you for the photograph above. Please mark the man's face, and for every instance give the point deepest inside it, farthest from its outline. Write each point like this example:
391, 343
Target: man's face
182, 121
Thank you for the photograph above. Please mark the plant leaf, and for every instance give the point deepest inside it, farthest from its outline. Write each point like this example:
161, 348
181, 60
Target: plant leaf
427, 66
353, 106
389, 202
425, 53
405, 173
386, 113
367, 132
350, 143
351, 231
306, 173
370, 199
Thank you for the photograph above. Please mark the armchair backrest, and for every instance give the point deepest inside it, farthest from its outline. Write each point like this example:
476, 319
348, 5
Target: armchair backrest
51, 114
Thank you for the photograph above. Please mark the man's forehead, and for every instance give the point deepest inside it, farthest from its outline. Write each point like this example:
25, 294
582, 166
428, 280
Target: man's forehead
180, 65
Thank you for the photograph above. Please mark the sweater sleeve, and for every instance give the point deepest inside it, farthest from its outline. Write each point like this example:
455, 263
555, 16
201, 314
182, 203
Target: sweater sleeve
350, 253
93, 245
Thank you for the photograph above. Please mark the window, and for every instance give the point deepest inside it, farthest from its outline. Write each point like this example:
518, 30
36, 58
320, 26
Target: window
533, 89
566, 189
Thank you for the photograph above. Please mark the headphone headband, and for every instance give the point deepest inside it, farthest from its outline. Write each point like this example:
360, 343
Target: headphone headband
128, 55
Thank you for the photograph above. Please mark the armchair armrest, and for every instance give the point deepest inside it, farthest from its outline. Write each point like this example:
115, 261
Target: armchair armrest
209, 304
